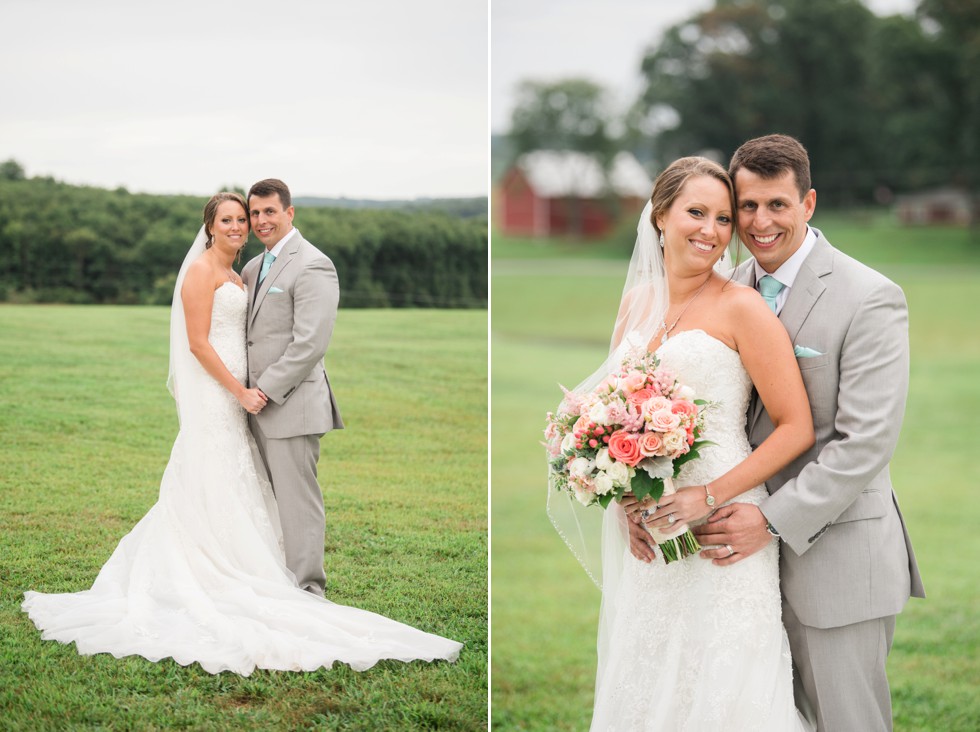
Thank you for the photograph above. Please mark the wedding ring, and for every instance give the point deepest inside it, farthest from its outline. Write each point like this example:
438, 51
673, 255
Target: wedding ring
670, 519
731, 552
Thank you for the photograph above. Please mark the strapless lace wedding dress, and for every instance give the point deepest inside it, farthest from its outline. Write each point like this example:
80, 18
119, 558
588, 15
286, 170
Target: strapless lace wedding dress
694, 646
202, 578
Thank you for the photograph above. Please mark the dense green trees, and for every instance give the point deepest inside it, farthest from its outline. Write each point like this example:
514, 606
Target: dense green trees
881, 103
64, 243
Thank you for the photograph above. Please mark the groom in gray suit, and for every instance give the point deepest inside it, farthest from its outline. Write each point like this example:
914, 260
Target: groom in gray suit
846, 562
293, 296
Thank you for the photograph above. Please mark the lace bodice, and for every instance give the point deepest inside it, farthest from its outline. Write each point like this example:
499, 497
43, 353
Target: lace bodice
716, 374
216, 410
227, 333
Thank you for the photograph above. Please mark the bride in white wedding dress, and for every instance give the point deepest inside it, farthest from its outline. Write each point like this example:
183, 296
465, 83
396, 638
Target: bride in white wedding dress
690, 645
202, 577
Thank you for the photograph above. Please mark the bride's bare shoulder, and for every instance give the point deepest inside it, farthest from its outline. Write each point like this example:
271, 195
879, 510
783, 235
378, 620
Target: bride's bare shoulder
739, 295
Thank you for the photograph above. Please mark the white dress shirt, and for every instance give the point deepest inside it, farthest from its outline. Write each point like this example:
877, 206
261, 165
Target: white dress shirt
275, 251
789, 269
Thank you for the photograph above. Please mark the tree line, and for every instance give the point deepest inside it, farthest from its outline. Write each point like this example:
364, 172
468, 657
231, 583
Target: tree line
883, 104
78, 244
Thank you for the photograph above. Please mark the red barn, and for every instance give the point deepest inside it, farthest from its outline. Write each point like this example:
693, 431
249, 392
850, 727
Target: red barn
565, 193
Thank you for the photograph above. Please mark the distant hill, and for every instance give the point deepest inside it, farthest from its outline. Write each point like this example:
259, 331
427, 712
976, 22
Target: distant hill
463, 208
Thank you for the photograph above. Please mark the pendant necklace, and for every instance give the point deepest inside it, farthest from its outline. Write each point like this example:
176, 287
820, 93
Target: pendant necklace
663, 323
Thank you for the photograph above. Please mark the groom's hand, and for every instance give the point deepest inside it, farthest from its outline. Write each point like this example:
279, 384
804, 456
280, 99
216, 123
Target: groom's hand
740, 526
641, 543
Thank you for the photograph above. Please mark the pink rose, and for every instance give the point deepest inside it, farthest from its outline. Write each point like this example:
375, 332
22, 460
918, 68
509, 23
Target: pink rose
632, 381
623, 447
650, 444
664, 421
684, 408
655, 404
638, 397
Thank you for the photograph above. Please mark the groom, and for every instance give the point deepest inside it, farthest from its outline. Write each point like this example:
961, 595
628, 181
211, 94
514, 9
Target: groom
847, 566
293, 295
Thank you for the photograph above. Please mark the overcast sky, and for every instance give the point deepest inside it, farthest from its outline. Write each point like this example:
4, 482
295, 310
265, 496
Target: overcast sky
374, 99
603, 40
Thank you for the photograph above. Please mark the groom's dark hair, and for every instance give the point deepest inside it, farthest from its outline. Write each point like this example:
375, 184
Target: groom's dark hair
771, 156
268, 187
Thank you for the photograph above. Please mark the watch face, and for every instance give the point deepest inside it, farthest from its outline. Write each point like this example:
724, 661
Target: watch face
710, 500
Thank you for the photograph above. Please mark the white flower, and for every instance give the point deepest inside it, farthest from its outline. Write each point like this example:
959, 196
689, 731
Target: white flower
568, 442
619, 473
603, 483
580, 467
583, 495
675, 441
685, 392
602, 459
658, 467
599, 413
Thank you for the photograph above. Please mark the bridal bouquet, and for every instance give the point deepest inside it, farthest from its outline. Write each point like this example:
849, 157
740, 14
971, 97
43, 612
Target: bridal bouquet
632, 433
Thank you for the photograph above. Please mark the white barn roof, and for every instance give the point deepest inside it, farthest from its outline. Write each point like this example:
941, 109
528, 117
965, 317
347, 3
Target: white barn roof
560, 173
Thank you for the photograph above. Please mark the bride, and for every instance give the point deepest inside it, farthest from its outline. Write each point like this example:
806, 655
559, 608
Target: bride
690, 645
202, 577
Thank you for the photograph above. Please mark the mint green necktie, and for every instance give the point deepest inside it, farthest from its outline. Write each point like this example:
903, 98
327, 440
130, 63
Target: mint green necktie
267, 261
769, 288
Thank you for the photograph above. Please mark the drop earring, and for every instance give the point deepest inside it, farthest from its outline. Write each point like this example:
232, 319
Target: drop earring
661, 239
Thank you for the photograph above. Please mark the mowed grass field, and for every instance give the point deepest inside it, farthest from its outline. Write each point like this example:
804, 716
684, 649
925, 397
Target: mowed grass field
552, 311
86, 428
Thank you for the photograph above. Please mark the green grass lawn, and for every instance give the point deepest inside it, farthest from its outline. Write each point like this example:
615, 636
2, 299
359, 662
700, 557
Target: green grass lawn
551, 318
86, 428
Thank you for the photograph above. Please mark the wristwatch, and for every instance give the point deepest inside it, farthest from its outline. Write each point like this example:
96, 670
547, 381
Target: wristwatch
771, 529
708, 498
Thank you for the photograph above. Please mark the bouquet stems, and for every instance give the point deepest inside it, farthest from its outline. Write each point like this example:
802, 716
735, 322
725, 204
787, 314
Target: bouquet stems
679, 547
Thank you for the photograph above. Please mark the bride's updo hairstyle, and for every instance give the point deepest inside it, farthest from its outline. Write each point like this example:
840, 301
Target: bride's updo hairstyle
669, 183
211, 211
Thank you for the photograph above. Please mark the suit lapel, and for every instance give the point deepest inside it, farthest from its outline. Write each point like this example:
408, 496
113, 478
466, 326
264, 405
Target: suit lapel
808, 287
282, 261
806, 290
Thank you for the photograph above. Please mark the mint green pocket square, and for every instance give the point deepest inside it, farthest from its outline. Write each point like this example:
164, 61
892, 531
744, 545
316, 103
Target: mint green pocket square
804, 352
274, 290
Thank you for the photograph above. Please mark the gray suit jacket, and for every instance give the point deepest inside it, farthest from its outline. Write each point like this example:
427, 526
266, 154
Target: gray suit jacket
846, 556
290, 321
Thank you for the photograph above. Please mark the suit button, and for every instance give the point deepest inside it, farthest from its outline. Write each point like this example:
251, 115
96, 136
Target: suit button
250, 343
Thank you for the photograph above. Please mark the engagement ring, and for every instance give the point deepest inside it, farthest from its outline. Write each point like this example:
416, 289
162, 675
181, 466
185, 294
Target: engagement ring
645, 513
670, 519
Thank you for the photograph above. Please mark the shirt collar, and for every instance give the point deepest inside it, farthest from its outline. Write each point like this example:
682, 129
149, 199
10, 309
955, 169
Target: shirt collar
277, 249
789, 269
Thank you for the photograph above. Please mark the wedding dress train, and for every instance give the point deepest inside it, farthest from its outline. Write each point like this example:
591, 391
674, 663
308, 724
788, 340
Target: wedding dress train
201, 578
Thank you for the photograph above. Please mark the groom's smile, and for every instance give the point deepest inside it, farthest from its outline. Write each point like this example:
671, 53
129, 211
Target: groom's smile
772, 215
270, 221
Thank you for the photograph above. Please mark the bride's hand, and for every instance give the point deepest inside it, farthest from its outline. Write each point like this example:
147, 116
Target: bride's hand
686, 505
252, 400
634, 507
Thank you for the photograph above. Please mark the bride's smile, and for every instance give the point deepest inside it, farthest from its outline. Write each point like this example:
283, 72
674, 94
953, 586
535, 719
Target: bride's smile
699, 224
